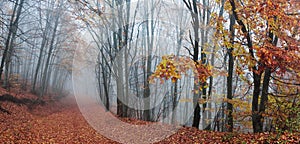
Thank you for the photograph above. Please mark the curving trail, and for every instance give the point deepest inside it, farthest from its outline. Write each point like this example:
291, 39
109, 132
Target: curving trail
61, 122
55, 122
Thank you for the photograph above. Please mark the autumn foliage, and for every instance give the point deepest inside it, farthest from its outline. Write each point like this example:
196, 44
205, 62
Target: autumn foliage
60, 121
173, 67
266, 44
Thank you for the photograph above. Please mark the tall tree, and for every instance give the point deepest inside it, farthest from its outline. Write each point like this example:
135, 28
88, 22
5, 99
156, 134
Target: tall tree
230, 74
261, 25
193, 8
51, 47
10, 40
45, 35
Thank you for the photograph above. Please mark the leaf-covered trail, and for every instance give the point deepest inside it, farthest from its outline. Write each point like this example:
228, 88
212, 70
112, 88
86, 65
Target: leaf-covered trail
57, 122
62, 122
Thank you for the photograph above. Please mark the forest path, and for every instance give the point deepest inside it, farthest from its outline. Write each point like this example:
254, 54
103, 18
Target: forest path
62, 122
55, 122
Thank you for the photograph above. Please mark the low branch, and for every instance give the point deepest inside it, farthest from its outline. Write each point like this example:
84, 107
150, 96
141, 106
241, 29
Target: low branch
288, 83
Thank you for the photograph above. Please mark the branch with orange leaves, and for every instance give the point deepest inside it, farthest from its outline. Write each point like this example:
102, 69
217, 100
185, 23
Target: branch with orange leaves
173, 67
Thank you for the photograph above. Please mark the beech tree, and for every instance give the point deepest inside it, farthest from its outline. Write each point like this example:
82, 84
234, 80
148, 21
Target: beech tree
266, 41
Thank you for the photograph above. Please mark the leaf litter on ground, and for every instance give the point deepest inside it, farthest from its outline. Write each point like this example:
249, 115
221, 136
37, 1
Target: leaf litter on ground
60, 121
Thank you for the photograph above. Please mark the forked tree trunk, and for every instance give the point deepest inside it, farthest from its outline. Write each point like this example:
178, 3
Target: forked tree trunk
195, 23
43, 45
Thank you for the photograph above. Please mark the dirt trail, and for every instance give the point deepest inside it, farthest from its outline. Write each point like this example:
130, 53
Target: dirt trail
62, 122
56, 122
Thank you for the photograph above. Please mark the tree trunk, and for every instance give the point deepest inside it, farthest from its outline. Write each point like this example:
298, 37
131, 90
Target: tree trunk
43, 45
150, 39
45, 72
230, 75
257, 127
195, 23
255, 113
265, 87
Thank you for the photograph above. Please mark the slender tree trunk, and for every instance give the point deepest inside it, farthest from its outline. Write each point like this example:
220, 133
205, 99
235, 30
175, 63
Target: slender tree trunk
211, 80
265, 86
105, 85
257, 127
45, 72
126, 55
43, 45
118, 45
176, 96
195, 23
150, 39
230, 75
120, 87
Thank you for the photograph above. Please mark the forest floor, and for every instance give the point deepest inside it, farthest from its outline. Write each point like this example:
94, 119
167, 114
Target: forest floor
60, 121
